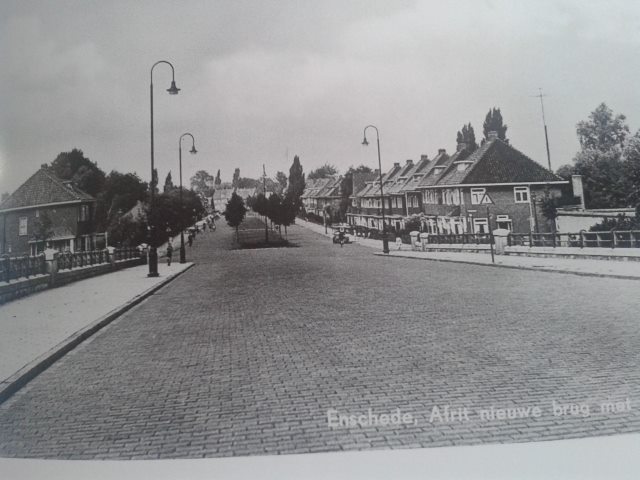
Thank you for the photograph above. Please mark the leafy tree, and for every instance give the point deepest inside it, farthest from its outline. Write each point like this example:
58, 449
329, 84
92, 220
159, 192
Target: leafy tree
120, 193
468, 136
621, 222
235, 212
43, 228
127, 231
281, 179
602, 131
493, 123
236, 178
169, 216
274, 208
260, 204
296, 182
168, 183
244, 182
600, 159
289, 212
324, 171
154, 181
565, 171
631, 156
83, 172
202, 182
218, 180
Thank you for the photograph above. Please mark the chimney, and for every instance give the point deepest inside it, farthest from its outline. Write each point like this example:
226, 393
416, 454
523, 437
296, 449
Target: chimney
461, 146
409, 162
396, 164
493, 135
442, 151
424, 158
578, 189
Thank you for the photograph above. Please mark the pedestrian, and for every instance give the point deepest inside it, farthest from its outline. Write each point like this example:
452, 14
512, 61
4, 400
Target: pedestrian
190, 239
169, 253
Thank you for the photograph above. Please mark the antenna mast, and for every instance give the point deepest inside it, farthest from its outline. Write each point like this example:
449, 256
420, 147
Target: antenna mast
544, 122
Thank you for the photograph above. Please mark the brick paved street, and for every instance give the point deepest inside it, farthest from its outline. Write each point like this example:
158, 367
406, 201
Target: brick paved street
245, 353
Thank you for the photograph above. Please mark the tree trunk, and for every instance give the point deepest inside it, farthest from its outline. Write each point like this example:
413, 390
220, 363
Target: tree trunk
237, 235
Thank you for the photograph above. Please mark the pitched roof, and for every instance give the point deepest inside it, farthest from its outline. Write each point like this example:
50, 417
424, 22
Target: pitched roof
387, 180
331, 188
498, 162
314, 186
416, 174
42, 188
435, 169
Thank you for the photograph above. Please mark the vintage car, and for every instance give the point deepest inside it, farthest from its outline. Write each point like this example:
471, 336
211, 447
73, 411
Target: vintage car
346, 230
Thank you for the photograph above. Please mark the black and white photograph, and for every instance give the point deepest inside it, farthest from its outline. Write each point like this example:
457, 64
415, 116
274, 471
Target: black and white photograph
356, 239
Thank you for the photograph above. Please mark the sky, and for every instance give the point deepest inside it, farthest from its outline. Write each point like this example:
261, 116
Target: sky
263, 81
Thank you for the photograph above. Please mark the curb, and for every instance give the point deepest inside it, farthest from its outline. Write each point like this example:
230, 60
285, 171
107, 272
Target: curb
15, 382
515, 267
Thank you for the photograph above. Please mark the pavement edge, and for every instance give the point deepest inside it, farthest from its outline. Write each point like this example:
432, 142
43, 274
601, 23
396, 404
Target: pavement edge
15, 382
514, 267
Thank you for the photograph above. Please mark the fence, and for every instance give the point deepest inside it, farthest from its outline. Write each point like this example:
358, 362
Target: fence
460, 238
12, 268
610, 239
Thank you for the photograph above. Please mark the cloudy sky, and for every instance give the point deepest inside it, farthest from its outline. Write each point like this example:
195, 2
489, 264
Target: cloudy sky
264, 80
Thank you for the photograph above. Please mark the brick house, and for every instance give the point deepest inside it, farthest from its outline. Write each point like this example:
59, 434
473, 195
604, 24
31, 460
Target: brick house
496, 179
70, 211
322, 193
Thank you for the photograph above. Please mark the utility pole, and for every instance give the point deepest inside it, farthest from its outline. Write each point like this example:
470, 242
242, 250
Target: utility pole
544, 122
264, 189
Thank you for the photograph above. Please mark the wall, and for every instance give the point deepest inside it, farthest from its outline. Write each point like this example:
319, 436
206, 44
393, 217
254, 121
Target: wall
27, 286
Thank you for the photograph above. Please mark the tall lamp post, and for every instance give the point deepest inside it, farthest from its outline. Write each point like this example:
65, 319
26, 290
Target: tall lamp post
385, 240
193, 151
153, 254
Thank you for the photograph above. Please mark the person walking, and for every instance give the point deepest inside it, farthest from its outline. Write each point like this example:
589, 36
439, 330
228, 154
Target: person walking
169, 253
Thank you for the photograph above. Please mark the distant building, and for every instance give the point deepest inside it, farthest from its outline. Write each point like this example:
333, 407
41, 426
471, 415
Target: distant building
495, 186
69, 210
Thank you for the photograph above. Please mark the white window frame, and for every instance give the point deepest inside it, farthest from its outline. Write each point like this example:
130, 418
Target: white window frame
477, 222
477, 195
518, 191
23, 226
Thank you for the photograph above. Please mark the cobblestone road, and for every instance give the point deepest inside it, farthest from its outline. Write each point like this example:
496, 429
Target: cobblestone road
245, 353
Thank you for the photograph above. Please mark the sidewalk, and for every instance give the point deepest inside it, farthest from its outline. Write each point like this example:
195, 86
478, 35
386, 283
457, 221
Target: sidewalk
37, 329
599, 268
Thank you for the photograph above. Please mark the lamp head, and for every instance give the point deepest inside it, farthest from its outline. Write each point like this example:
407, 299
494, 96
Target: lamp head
364, 142
173, 90
193, 150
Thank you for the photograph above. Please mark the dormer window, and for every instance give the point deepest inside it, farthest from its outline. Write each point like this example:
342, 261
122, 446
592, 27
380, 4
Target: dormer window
462, 165
438, 170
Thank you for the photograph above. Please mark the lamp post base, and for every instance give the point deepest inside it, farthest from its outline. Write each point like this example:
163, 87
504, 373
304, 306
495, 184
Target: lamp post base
183, 253
153, 262
385, 243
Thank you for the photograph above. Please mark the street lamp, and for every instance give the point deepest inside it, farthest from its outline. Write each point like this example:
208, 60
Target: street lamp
153, 254
385, 240
193, 151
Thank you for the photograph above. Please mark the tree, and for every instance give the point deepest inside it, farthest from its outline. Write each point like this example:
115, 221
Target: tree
202, 182
281, 179
154, 181
274, 208
236, 178
260, 204
468, 136
80, 170
43, 228
218, 180
631, 166
288, 212
600, 159
565, 171
235, 212
493, 123
168, 183
120, 193
324, 171
602, 131
296, 182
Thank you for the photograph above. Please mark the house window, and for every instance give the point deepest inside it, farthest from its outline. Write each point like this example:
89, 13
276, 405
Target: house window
37, 213
480, 225
22, 226
521, 194
84, 213
504, 222
477, 195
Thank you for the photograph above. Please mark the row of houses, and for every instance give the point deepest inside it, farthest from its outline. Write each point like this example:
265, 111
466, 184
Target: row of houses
495, 186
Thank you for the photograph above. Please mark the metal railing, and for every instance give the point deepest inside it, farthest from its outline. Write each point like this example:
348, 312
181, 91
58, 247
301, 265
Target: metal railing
460, 238
12, 268
71, 260
582, 239
126, 253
